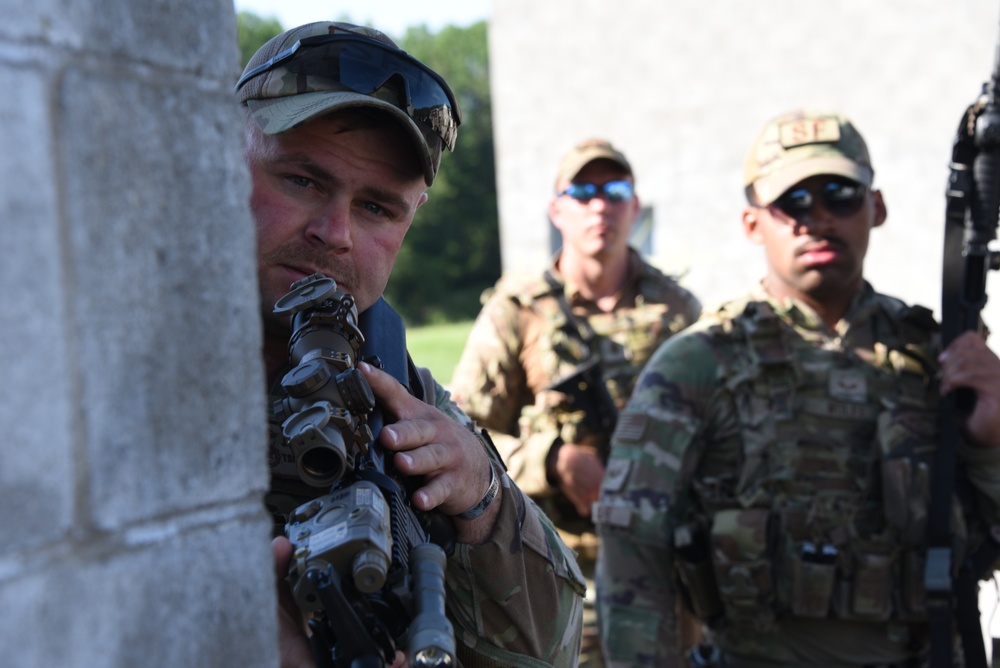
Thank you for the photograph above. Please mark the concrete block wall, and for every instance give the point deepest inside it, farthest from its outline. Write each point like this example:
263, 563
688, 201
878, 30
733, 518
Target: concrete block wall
683, 86
132, 456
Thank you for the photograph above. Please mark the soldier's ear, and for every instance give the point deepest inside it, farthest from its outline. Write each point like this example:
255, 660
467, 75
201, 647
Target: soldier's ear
881, 212
751, 223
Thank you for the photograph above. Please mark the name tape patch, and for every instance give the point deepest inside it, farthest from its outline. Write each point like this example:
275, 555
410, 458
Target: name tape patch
809, 131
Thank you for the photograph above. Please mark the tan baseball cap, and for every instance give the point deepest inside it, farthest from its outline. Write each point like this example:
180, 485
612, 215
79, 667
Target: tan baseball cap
316, 68
586, 152
804, 143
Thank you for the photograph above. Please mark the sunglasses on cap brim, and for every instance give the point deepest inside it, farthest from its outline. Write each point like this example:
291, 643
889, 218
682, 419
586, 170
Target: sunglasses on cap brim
841, 197
366, 66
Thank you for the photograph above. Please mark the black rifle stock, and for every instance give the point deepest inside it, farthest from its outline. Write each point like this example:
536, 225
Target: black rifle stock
366, 564
971, 217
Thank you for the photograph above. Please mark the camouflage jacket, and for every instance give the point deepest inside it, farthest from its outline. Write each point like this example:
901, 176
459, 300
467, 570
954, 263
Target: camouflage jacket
524, 340
515, 600
773, 475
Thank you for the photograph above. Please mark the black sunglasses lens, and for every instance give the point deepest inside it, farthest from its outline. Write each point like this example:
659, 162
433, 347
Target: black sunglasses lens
843, 198
369, 68
795, 203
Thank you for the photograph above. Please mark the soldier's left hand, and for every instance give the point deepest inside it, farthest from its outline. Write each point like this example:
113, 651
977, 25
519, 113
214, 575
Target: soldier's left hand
429, 443
968, 362
293, 645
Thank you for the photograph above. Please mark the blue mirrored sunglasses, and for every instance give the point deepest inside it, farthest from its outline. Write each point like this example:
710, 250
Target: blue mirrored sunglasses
613, 191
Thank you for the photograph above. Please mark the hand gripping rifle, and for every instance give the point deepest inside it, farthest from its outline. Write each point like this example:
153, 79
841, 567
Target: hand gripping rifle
971, 216
368, 565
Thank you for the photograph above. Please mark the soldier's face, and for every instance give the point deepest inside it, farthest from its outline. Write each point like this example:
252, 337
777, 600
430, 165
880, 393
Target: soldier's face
332, 196
599, 227
816, 254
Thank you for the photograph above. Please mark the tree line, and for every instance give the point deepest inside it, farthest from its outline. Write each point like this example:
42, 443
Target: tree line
452, 251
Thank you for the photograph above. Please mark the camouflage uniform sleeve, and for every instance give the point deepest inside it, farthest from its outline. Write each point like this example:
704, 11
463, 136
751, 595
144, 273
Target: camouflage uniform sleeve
489, 384
655, 447
517, 599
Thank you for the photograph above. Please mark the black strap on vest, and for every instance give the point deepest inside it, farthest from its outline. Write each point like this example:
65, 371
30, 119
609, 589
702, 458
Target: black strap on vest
385, 338
578, 326
973, 203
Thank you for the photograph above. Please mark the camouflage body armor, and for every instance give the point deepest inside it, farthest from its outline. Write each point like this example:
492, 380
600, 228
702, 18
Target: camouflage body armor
621, 342
825, 517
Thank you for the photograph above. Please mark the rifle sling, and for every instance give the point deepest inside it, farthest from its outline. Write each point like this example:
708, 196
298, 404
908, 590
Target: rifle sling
952, 594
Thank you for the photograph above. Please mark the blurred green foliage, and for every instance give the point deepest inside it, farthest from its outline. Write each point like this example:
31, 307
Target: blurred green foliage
452, 251
438, 347
253, 31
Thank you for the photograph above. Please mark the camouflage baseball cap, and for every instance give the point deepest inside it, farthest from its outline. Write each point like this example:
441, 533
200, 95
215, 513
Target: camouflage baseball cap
586, 152
316, 68
804, 143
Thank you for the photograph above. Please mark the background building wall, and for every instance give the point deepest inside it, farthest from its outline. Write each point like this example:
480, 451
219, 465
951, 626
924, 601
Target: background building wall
683, 86
133, 454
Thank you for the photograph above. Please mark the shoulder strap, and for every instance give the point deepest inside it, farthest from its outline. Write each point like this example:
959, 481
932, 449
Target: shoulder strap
574, 325
769, 375
385, 338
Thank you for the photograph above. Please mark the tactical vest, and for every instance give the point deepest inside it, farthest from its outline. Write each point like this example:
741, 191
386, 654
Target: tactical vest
622, 341
826, 516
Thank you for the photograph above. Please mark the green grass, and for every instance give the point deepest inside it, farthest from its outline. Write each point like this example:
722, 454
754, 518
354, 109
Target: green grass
438, 347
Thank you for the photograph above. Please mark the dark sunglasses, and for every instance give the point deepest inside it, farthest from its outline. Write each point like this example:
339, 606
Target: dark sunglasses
841, 197
613, 191
367, 66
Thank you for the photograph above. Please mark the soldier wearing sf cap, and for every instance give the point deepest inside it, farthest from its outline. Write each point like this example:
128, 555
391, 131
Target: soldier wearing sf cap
598, 307
770, 472
344, 134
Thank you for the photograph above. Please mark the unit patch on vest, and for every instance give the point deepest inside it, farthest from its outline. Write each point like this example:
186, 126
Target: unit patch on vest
616, 474
612, 515
849, 385
841, 410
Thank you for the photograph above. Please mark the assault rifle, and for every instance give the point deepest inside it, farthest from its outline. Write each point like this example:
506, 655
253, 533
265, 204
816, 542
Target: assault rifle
585, 387
366, 563
971, 216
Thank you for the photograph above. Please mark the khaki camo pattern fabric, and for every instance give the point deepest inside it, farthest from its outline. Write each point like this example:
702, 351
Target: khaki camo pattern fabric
773, 475
515, 600
522, 341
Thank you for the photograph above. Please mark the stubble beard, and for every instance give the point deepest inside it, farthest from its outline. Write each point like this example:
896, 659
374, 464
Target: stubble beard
293, 254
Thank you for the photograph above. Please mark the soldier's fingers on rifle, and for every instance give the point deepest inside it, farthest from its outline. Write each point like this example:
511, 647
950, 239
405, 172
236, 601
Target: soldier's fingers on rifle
391, 394
969, 362
456, 469
430, 443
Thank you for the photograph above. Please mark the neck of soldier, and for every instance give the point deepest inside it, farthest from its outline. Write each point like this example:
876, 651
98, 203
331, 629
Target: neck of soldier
599, 278
830, 304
